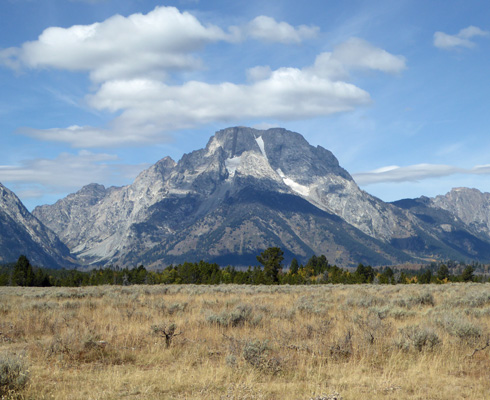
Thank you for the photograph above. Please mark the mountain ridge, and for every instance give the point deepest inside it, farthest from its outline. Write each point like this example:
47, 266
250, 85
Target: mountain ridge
249, 189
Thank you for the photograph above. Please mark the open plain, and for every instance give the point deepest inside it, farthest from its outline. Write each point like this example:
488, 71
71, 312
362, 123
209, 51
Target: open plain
247, 342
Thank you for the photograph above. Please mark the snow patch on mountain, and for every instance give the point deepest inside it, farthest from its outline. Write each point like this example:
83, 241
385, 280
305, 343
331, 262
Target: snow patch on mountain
295, 186
298, 188
260, 142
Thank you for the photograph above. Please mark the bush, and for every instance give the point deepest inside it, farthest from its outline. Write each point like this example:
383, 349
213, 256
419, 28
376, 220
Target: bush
239, 316
419, 299
417, 338
423, 299
460, 327
14, 375
258, 354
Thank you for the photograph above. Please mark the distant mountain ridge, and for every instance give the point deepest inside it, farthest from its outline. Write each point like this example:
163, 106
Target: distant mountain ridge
469, 205
250, 189
22, 233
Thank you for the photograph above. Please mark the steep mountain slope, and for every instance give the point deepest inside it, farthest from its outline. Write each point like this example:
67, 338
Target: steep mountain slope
246, 190
253, 219
22, 233
470, 205
456, 239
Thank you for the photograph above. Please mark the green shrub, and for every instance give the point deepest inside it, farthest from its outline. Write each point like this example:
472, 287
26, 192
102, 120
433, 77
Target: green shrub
14, 375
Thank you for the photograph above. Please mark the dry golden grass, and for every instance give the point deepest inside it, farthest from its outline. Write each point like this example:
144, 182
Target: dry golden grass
243, 342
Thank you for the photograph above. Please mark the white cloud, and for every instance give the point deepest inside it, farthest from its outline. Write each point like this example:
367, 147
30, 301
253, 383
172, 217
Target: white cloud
120, 47
140, 45
414, 173
67, 172
117, 135
461, 39
357, 53
268, 29
328, 67
149, 107
129, 59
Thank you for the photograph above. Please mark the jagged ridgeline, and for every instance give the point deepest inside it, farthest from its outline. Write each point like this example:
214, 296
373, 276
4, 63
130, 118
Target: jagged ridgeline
249, 190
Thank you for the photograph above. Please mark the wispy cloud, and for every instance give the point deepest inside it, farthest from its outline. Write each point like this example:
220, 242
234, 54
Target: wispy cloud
461, 39
415, 173
268, 29
67, 172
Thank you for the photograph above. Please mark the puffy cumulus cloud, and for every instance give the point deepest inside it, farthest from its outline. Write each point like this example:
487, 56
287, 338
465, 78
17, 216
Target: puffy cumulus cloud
357, 53
288, 93
129, 57
120, 47
268, 29
148, 107
67, 172
140, 45
461, 39
414, 173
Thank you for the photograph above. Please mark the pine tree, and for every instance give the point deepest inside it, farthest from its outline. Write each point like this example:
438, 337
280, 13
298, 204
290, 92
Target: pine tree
271, 259
23, 274
293, 269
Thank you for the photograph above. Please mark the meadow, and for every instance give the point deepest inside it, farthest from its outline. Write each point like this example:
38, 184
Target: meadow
246, 342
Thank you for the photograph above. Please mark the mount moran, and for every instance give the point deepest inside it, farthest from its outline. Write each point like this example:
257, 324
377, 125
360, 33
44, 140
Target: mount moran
245, 191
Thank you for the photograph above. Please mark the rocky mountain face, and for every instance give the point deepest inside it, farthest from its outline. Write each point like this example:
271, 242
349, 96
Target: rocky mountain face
469, 205
22, 233
443, 234
247, 190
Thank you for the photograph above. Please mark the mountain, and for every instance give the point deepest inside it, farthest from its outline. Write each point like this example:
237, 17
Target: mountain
470, 205
22, 233
247, 190
450, 236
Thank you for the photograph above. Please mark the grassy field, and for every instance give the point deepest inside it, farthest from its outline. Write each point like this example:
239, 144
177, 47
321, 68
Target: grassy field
245, 342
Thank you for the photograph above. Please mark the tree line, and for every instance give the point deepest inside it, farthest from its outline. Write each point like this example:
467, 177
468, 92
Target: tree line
317, 270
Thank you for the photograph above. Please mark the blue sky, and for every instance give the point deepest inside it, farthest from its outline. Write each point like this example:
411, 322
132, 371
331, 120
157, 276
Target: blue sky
98, 90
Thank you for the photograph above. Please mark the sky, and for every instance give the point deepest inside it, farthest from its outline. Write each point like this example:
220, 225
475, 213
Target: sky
99, 90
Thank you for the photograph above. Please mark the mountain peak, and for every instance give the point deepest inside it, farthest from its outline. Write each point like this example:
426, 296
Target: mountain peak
287, 152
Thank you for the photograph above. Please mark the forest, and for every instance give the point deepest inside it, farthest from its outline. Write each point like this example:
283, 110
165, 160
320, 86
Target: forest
271, 271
